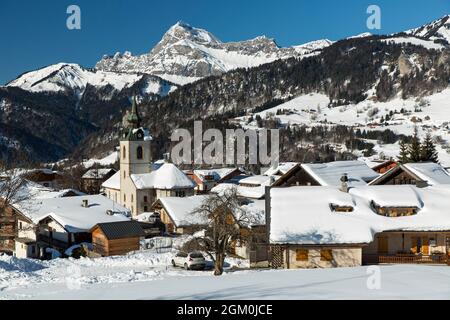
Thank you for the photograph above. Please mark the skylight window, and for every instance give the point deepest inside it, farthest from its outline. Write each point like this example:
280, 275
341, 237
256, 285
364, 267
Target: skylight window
394, 211
340, 208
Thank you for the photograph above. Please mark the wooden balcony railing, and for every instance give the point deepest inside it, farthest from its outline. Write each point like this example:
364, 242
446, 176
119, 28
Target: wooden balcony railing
52, 242
406, 258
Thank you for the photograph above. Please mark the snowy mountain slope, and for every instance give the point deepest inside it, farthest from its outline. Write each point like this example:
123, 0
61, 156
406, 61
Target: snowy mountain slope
186, 54
430, 114
72, 78
438, 31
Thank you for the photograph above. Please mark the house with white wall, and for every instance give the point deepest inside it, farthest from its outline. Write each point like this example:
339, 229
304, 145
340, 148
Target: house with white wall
323, 226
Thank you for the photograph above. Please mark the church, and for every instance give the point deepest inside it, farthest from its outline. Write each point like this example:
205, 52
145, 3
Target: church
137, 185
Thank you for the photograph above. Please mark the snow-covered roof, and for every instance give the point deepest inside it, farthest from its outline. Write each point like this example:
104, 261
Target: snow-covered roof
242, 191
96, 173
181, 209
218, 173
302, 215
113, 182
329, 174
28, 197
70, 213
258, 180
281, 169
168, 176
431, 172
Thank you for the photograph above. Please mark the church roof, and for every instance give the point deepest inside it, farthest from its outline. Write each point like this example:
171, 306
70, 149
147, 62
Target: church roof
168, 176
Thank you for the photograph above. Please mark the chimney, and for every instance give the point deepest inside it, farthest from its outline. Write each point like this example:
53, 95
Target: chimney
166, 157
344, 183
421, 183
85, 203
272, 180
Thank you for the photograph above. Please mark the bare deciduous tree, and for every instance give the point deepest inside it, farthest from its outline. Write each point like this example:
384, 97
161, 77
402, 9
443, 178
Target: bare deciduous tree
224, 218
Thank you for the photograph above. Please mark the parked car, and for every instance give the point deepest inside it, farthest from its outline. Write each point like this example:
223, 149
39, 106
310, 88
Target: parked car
189, 261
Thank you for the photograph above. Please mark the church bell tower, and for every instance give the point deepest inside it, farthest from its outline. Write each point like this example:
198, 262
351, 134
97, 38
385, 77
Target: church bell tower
135, 154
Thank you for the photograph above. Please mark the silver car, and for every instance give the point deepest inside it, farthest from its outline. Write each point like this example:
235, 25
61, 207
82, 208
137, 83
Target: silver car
189, 261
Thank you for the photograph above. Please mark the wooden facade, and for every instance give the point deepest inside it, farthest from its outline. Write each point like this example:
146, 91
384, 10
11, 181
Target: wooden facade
92, 185
297, 176
408, 247
44, 177
116, 238
7, 230
398, 175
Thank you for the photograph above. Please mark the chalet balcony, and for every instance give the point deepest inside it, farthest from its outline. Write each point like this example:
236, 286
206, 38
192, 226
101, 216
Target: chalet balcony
406, 259
52, 242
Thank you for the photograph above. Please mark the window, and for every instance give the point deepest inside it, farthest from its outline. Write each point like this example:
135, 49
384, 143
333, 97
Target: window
124, 197
124, 150
301, 254
132, 198
145, 209
326, 255
180, 194
139, 153
20, 225
340, 208
145, 199
124, 174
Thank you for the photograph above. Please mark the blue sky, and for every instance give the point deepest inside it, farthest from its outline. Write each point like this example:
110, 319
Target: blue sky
34, 34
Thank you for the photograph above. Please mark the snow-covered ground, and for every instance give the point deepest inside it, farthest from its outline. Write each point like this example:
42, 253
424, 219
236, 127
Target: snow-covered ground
106, 161
147, 275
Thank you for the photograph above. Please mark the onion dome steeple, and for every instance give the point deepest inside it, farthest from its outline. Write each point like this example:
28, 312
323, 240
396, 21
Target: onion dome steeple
131, 125
133, 118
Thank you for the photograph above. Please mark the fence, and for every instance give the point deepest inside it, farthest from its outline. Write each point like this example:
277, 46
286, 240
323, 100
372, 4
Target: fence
159, 244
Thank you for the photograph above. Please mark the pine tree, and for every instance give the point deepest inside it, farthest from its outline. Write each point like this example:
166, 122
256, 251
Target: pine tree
403, 157
415, 150
429, 152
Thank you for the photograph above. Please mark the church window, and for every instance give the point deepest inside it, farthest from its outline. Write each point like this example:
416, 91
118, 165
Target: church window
139, 153
124, 151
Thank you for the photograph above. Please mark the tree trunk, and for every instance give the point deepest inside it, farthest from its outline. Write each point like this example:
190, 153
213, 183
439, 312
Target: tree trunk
218, 265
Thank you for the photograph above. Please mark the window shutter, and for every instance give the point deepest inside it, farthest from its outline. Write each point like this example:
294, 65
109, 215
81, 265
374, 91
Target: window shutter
301, 254
414, 245
425, 246
326, 255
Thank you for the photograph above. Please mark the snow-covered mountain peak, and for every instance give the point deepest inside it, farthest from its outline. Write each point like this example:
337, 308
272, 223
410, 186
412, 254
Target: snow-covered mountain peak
183, 31
73, 79
186, 54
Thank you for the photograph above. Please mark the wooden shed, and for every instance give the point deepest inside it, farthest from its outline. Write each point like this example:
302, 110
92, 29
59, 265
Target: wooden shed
116, 238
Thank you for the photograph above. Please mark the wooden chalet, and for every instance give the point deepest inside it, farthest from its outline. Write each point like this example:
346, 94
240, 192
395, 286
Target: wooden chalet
207, 179
311, 227
93, 179
326, 174
177, 213
45, 177
420, 174
116, 238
